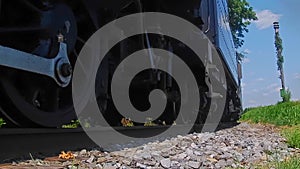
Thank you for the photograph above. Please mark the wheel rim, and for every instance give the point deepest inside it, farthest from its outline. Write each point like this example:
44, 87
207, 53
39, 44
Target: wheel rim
31, 99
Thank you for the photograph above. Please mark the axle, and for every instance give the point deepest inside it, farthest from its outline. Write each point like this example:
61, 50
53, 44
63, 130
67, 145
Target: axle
58, 68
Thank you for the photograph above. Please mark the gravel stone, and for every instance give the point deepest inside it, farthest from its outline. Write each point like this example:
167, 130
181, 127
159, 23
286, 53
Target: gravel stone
110, 167
237, 147
91, 159
166, 163
141, 165
82, 152
194, 164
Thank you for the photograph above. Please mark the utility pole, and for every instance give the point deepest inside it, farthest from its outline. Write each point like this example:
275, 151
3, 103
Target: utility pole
280, 60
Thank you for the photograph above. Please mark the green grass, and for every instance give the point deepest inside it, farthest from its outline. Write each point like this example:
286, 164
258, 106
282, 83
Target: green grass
292, 134
293, 163
280, 114
287, 117
2, 122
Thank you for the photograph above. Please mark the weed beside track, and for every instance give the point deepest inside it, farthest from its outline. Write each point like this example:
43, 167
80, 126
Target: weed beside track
286, 117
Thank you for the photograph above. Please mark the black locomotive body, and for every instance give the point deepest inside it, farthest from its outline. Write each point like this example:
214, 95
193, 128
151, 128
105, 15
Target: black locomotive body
31, 96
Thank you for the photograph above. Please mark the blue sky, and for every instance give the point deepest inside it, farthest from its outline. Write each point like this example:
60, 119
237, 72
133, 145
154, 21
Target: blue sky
260, 76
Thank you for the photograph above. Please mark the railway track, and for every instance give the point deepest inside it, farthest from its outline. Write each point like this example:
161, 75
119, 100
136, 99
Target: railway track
22, 143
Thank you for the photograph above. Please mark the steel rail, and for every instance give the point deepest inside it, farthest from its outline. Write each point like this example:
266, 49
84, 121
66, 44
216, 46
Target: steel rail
21, 143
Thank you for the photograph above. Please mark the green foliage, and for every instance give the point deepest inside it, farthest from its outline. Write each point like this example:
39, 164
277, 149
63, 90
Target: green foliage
278, 42
281, 114
149, 122
286, 97
240, 16
74, 124
279, 48
292, 135
2, 122
248, 109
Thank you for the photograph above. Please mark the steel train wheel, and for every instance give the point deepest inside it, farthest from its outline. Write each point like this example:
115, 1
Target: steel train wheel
28, 99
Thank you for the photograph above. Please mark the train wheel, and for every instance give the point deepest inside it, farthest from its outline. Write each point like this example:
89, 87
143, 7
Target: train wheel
28, 99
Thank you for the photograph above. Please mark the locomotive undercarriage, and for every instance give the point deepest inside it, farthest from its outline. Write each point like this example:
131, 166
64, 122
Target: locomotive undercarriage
39, 46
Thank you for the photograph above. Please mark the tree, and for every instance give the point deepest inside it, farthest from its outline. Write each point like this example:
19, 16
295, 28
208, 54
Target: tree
285, 94
240, 16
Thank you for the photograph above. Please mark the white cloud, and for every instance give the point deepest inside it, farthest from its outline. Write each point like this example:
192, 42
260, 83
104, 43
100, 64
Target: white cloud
252, 102
266, 19
246, 60
277, 89
270, 89
297, 76
266, 94
273, 86
247, 51
260, 79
